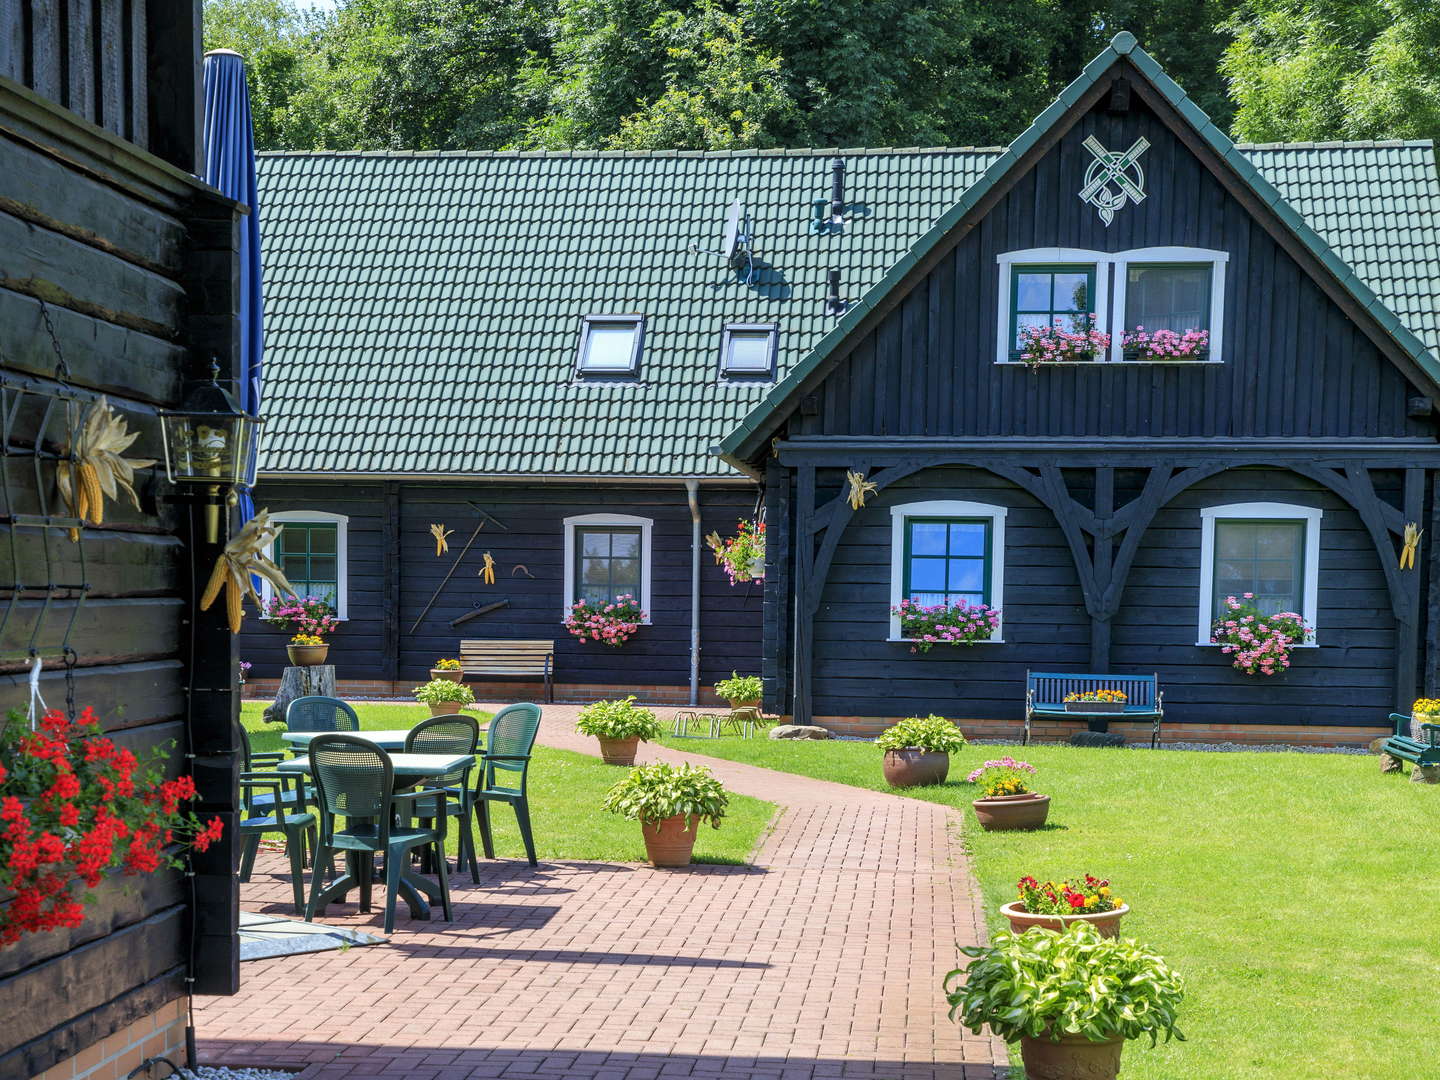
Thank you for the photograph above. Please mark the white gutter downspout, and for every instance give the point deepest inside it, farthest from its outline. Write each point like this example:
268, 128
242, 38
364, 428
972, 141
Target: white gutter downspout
692, 494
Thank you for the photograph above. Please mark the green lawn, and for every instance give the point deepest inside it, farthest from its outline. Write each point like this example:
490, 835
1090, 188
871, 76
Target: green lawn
565, 793
1297, 893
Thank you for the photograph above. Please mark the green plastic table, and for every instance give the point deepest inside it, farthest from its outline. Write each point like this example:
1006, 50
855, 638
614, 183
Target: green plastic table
410, 770
389, 739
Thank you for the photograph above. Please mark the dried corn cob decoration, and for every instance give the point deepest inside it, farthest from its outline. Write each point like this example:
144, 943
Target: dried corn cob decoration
243, 557
95, 467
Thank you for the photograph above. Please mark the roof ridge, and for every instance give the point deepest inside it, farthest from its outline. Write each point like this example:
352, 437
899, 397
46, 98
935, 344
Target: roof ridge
1338, 144
803, 151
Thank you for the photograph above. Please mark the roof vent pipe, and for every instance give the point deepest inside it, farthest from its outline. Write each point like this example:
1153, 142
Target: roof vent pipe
833, 304
837, 191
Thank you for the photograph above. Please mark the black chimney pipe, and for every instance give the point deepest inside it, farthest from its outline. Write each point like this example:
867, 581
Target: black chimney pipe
833, 304
837, 188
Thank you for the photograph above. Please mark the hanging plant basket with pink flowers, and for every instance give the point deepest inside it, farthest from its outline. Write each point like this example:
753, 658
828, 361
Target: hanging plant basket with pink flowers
612, 623
1257, 644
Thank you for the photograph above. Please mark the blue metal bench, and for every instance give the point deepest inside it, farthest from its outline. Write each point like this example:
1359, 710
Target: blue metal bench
1402, 746
1045, 693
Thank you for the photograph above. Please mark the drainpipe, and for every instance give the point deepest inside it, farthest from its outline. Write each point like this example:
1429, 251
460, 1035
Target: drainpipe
692, 495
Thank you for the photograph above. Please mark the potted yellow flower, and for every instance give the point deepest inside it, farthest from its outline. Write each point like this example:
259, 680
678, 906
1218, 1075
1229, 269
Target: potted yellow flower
1006, 801
449, 669
1424, 711
307, 650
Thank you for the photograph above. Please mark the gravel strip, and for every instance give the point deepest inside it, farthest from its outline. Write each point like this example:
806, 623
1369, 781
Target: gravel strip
221, 1072
1210, 747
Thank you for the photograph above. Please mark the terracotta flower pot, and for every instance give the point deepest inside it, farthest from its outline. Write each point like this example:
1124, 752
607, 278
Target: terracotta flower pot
446, 708
1074, 1057
449, 674
307, 655
669, 842
1007, 812
619, 751
753, 703
914, 768
1106, 922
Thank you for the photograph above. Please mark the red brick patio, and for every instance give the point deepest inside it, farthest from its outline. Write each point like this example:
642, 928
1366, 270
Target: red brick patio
823, 959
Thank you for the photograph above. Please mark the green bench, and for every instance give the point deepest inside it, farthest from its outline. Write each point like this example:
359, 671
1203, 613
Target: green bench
1402, 746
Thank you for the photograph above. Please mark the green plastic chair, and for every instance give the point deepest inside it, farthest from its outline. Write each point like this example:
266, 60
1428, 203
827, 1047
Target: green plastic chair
452, 734
263, 809
354, 779
319, 713
507, 751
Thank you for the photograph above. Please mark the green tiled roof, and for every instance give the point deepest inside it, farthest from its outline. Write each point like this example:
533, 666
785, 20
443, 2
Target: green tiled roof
1366, 211
423, 310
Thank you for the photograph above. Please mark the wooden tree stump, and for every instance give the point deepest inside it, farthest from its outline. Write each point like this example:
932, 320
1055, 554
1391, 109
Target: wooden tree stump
300, 682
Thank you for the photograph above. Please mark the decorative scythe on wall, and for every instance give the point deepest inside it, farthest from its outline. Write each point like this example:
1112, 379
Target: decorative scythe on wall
484, 517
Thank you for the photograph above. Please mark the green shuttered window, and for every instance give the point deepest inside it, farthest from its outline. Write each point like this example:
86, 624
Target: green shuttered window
1266, 558
309, 555
947, 560
1059, 295
607, 563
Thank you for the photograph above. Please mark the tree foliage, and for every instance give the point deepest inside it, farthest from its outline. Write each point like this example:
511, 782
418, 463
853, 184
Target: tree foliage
1335, 69
726, 74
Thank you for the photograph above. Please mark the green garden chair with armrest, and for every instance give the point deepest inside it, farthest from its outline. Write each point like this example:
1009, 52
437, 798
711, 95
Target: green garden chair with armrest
453, 734
507, 751
267, 805
319, 713
354, 779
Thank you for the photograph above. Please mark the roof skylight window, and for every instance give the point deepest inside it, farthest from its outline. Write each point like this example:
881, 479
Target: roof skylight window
610, 345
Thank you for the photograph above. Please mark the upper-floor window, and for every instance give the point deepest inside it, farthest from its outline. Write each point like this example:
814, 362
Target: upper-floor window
747, 350
1150, 304
312, 553
610, 345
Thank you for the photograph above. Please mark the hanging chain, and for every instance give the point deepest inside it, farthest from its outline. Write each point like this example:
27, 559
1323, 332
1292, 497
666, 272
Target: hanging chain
62, 369
70, 658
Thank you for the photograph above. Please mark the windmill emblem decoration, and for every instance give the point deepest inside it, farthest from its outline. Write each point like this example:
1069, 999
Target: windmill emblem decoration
1114, 179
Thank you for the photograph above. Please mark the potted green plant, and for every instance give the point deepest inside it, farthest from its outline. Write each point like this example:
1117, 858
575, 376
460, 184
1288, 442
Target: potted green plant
1056, 904
741, 691
444, 696
620, 726
1072, 999
307, 650
917, 750
448, 668
671, 802
1006, 801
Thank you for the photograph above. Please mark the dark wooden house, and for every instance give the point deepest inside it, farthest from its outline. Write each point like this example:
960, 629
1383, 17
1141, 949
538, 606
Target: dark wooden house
117, 277
1108, 505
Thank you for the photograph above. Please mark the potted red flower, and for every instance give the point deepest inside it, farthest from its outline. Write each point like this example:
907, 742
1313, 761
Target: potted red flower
1056, 904
73, 807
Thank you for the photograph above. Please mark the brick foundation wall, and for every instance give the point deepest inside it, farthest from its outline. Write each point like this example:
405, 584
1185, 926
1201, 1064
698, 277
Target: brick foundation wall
161, 1034
1136, 732
565, 693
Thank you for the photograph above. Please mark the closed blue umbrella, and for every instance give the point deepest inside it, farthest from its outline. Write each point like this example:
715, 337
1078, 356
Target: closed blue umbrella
230, 167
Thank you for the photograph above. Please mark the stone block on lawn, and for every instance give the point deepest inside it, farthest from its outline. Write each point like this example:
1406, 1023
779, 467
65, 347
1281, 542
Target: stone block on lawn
1097, 738
1389, 763
1425, 774
799, 731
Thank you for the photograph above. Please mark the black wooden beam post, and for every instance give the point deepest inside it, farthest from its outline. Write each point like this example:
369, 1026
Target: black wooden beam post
1102, 556
804, 609
1432, 612
390, 591
775, 630
1407, 631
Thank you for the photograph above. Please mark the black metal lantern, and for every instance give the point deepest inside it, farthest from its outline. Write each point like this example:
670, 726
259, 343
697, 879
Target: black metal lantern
210, 441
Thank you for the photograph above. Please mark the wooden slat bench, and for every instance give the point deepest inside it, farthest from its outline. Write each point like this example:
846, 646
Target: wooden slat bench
1045, 693
486, 657
1402, 746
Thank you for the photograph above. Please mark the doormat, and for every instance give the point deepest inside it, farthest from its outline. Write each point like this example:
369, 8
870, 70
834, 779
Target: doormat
264, 936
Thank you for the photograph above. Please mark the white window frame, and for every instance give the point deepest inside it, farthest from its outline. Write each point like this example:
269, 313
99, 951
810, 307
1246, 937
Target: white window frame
1217, 260
948, 508
342, 554
1110, 301
1008, 260
1310, 515
646, 526
636, 350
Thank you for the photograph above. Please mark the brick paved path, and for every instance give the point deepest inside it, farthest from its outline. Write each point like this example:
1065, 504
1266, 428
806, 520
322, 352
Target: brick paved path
821, 960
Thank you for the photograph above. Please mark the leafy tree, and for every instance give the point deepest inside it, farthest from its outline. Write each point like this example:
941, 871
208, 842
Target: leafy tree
1335, 69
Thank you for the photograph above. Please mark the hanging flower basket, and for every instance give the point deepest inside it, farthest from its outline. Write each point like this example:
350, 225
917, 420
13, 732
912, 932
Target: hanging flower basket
74, 806
1257, 644
610, 624
742, 555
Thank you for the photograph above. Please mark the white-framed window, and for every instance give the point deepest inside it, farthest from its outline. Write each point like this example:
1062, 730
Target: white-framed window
313, 550
747, 350
1271, 550
1041, 285
1176, 289
607, 555
1179, 290
610, 345
944, 551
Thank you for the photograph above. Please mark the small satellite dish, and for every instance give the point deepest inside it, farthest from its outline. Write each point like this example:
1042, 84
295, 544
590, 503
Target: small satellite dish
734, 241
